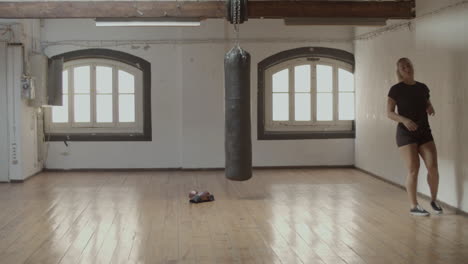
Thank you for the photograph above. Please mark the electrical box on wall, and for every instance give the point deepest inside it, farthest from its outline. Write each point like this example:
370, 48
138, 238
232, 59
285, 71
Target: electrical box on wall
28, 87
39, 64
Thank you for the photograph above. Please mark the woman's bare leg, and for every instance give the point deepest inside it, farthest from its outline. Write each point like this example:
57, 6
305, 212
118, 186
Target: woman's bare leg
411, 158
428, 152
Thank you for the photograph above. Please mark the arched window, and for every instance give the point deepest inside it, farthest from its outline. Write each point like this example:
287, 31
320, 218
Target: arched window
306, 93
105, 97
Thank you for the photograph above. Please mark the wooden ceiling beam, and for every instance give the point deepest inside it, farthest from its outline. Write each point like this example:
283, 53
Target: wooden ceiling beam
351, 9
205, 9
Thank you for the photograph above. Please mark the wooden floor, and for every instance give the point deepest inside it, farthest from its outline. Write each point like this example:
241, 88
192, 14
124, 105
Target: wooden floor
279, 216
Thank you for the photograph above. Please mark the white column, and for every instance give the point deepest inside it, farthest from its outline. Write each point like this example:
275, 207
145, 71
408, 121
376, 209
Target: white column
14, 71
4, 144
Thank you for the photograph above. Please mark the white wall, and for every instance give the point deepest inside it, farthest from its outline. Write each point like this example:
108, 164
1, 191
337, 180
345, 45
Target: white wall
438, 46
424, 7
188, 95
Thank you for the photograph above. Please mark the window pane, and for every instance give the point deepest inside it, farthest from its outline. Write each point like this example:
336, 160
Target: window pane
281, 81
280, 106
104, 108
103, 80
324, 106
126, 82
324, 78
126, 108
346, 106
65, 82
82, 108
345, 81
302, 107
302, 78
81, 82
60, 113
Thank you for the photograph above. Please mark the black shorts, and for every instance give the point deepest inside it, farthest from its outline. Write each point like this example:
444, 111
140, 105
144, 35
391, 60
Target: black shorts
406, 137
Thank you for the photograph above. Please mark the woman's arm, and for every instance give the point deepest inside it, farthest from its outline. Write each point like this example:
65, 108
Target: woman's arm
391, 104
430, 109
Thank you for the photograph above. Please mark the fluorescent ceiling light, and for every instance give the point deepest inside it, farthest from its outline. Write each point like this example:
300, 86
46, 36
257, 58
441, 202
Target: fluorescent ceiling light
163, 22
147, 24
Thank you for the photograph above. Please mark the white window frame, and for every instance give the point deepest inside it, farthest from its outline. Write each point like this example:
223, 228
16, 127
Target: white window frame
314, 124
93, 127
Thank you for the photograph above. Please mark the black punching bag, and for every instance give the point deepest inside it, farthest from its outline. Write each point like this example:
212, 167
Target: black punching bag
237, 142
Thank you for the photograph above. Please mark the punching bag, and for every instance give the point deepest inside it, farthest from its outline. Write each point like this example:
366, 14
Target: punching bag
237, 141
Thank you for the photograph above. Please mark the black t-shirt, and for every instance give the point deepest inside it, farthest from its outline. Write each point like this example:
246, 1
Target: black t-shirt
411, 101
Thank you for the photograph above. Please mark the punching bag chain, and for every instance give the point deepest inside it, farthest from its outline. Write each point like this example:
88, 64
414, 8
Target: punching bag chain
236, 15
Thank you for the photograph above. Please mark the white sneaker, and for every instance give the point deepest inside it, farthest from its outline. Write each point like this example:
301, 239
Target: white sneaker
436, 207
419, 211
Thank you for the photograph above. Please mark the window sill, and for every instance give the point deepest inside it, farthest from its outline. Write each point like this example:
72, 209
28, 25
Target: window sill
98, 137
291, 135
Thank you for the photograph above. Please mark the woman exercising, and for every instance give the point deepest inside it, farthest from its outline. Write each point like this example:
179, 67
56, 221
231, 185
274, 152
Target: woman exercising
413, 135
